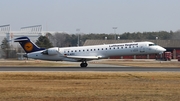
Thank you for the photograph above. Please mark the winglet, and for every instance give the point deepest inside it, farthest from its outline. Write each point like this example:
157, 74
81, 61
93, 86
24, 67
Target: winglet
27, 44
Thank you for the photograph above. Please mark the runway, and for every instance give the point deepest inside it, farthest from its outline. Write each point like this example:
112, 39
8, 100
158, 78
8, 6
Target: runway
105, 69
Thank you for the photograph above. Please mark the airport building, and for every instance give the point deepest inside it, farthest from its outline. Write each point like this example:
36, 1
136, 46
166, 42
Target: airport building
33, 32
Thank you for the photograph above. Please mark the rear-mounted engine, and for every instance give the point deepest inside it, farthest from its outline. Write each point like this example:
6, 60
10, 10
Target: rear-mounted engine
50, 51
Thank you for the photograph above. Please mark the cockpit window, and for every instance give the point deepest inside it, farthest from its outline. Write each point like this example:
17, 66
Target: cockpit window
152, 44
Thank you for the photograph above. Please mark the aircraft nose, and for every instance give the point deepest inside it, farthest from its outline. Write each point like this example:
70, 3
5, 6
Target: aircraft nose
161, 49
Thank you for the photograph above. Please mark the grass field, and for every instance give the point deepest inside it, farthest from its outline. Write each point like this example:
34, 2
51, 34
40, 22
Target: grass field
89, 86
33, 63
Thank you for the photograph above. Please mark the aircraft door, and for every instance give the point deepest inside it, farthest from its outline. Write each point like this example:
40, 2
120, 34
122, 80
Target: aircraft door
60, 51
142, 48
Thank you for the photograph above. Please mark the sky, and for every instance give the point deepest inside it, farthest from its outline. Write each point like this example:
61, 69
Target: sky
92, 16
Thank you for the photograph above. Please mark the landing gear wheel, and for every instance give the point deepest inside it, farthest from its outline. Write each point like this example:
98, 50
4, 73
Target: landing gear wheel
83, 64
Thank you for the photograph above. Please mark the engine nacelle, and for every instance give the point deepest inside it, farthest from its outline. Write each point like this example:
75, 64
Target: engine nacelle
51, 51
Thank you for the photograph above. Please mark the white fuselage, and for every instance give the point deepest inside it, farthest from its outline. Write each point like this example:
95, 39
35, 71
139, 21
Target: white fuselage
97, 51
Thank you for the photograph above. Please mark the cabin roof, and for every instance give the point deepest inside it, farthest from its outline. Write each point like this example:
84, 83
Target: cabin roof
163, 43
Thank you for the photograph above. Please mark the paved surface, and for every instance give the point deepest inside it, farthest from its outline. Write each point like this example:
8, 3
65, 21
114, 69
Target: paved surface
109, 69
91, 67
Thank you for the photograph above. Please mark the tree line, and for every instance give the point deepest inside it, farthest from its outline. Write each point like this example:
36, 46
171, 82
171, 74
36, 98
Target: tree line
68, 40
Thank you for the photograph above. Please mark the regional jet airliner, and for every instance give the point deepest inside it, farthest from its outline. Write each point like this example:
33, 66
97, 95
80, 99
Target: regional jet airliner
86, 53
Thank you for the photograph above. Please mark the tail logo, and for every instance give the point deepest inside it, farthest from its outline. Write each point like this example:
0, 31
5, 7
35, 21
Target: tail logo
28, 46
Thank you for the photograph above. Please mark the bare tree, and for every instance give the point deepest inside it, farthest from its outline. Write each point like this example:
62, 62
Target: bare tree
61, 39
176, 35
51, 38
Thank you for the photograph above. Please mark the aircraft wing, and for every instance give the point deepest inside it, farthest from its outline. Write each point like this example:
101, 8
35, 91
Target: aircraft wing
84, 57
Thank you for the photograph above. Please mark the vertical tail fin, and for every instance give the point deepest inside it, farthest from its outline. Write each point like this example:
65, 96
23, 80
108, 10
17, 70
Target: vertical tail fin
27, 44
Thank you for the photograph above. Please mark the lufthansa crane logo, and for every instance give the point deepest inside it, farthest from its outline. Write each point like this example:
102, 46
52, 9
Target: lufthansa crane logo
28, 46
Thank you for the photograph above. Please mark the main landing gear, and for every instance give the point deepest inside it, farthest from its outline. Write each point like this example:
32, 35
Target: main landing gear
83, 64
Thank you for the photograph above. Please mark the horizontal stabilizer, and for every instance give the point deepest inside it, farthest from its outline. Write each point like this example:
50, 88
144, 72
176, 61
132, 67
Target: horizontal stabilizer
19, 40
